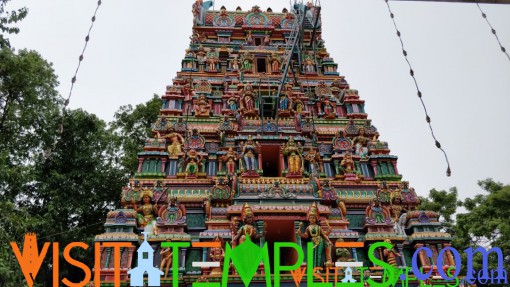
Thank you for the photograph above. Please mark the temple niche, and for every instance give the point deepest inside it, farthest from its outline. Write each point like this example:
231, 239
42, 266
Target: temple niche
257, 142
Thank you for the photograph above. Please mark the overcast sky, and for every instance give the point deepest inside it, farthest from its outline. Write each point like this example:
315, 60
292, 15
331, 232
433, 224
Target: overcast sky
136, 47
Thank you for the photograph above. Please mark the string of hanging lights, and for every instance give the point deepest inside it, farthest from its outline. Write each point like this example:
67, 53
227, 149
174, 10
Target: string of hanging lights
411, 71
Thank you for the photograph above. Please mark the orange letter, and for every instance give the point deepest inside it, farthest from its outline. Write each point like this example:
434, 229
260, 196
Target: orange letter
55, 266
116, 259
30, 261
67, 257
97, 263
298, 275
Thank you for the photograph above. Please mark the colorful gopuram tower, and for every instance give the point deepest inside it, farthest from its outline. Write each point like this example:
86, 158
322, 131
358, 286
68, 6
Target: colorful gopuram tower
260, 136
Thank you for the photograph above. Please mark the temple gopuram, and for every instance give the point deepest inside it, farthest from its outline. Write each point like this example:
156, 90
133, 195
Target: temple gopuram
261, 138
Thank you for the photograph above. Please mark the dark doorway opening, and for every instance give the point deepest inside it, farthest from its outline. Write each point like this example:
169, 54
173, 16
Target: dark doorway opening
258, 41
271, 160
261, 65
281, 231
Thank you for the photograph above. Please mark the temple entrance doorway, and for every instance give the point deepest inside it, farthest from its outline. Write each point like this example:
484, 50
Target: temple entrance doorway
271, 160
281, 231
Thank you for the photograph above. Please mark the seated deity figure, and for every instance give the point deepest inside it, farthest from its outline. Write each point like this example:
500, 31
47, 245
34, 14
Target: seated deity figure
347, 164
176, 141
313, 158
146, 212
202, 107
319, 237
192, 161
360, 143
248, 230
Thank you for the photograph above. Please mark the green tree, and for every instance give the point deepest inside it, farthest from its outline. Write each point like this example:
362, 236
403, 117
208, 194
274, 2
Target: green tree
7, 21
132, 127
29, 108
486, 222
443, 202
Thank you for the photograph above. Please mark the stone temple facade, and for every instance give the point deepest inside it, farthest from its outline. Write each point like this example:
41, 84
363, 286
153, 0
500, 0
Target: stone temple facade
260, 136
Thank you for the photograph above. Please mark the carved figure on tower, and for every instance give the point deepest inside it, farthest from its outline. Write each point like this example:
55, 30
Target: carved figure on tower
376, 213
249, 38
230, 159
294, 156
232, 104
201, 55
193, 159
343, 254
360, 144
147, 211
248, 101
390, 255
347, 164
166, 260
275, 61
309, 64
195, 140
329, 109
319, 237
327, 192
267, 40
212, 60
235, 64
250, 150
247, 61
383, 192
313, 158
202, 107
248, 230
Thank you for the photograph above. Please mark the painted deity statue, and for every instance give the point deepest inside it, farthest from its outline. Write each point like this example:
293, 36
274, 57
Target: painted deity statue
235, 64
202, 107
248, 230
230, 161
390, 255
249, 152
342, 254
293, 153
249, 38
284, 102
313, 158
318, 236
347, 164
360, 143
147, 211
193, 159
166, 260
329, 110
176, 140
275, 62
232, 104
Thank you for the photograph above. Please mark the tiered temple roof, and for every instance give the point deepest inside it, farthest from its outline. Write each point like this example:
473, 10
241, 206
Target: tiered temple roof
260, 121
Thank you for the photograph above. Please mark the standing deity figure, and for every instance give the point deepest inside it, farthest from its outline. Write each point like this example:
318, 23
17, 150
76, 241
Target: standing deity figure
390, 255
248, 230
383, 192
201, 54
202, 107
235, 64
284, 102
147, 211
249, 103
232, 104
293, 153
176, 141
249, 152
246, 61
319, 237
217, 253
267, 40
230, 158
313, 158
329, 109
275, 61
193, 159
249, 38
360, 143
166, 260
309, 65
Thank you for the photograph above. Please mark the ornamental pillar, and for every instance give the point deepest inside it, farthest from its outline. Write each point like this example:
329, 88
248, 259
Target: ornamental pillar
394, 163
374, 167
163, 164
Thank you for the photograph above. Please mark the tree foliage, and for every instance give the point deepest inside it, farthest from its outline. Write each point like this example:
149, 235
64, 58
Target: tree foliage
7, 21
444, 203
132, 126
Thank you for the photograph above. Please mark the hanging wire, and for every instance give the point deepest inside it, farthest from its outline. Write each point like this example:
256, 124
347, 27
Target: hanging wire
493, 31
411, 71
73, 229
60, 130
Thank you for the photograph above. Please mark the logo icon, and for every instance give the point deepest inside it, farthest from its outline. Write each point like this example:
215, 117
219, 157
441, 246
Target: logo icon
145, 265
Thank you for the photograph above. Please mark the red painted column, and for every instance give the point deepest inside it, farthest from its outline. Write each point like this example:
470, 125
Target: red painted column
394, 163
